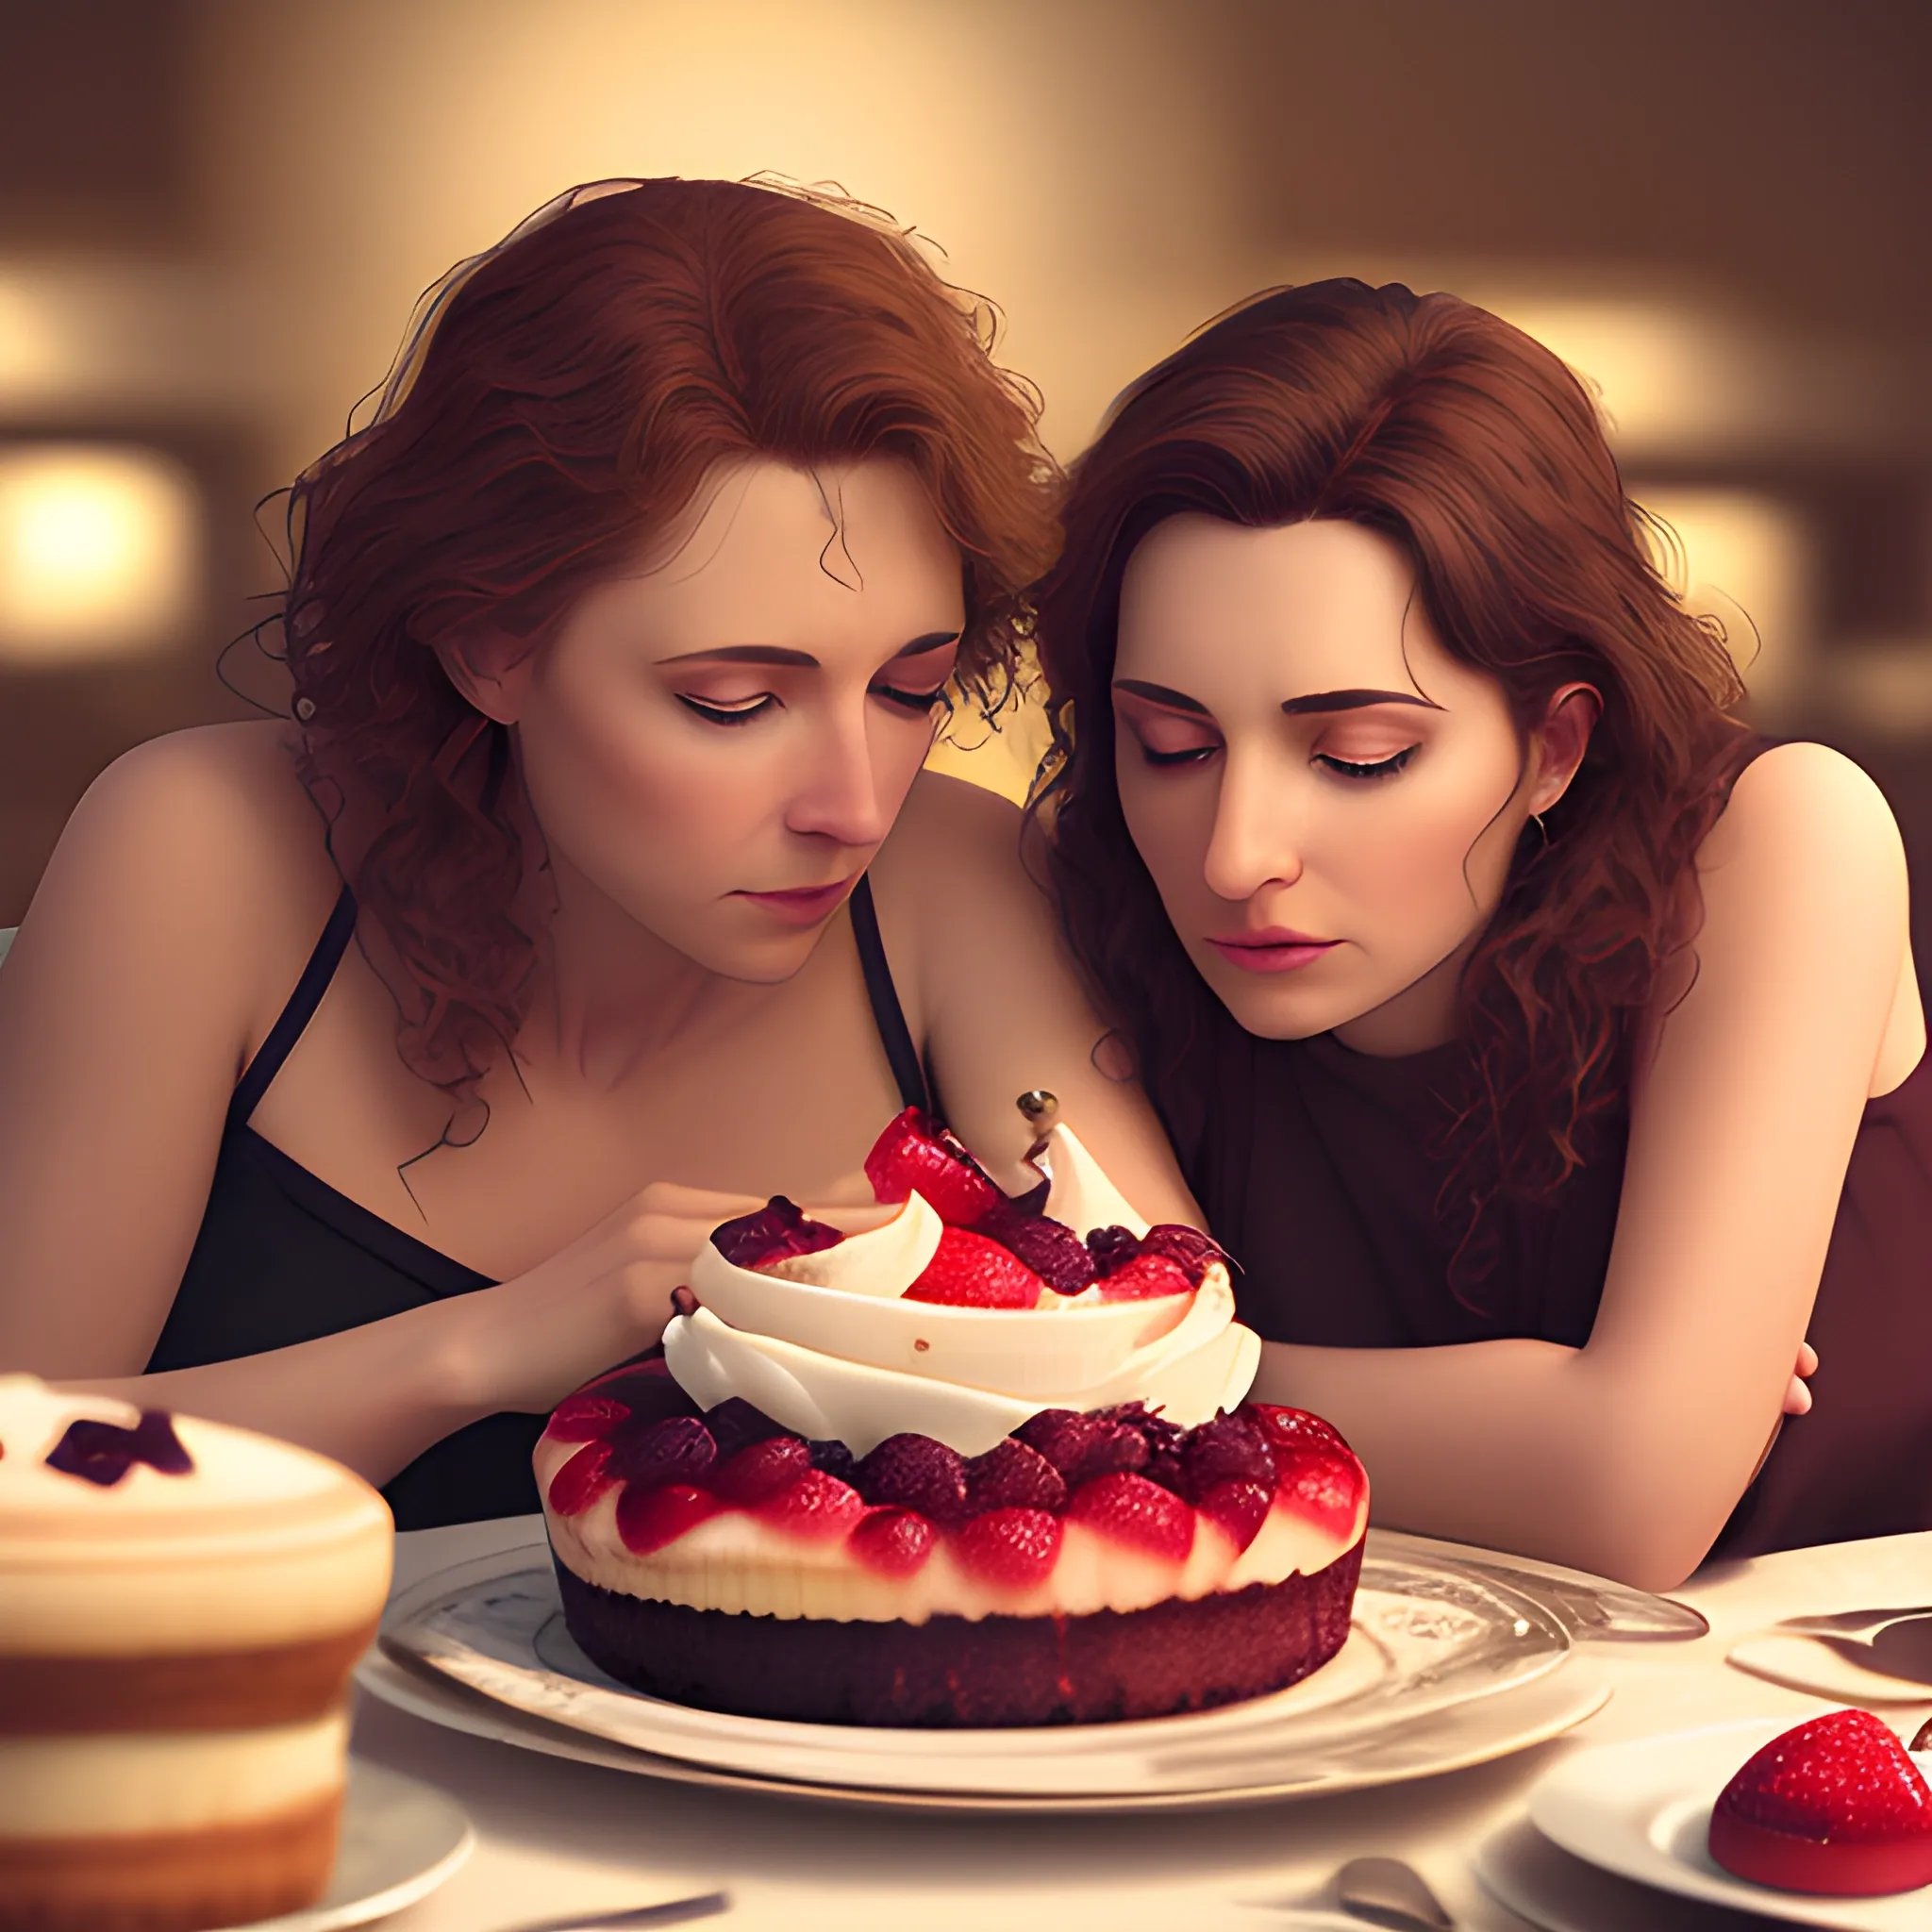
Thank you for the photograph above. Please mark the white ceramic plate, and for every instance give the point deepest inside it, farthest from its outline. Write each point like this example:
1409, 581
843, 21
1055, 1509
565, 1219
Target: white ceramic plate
400, 1841
1541, 1882
1643, 1810
1430, 1649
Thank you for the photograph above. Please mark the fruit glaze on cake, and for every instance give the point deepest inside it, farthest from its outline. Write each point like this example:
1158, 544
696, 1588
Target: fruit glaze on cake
180, 1606
987, 1464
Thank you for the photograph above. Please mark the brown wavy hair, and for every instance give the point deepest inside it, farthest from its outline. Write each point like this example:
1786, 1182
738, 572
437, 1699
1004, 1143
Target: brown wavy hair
558, 399
1478, 454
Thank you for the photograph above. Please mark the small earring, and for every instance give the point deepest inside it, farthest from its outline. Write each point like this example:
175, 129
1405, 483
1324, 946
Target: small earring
1536, 818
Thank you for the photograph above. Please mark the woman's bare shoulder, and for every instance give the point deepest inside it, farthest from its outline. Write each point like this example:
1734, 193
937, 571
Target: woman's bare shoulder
202, 843
949, 826
1812, 794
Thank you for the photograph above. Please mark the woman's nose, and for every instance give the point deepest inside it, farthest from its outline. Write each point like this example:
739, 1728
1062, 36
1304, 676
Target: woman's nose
838, 797
1251, 843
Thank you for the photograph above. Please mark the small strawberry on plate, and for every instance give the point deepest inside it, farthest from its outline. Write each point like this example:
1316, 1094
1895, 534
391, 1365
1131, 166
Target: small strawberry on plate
1833, 1806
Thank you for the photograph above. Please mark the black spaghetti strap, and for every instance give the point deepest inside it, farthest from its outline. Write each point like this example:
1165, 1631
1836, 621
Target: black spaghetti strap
888, 1015
296, 1015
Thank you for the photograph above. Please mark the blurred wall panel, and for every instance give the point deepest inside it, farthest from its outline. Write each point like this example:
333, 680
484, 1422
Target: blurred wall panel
217, 213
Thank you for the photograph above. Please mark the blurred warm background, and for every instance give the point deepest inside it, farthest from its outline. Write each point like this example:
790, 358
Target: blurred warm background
215, 214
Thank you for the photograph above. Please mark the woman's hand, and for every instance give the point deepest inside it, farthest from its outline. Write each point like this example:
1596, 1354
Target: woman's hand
600, 1301
1798, 1397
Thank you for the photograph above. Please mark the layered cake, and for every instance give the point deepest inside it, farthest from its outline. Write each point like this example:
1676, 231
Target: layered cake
988, 1464
180, 1606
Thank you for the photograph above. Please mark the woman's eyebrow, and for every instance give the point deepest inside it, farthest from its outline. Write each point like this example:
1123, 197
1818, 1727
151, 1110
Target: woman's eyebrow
1161, 695
778, 654
932, 640
1352, 701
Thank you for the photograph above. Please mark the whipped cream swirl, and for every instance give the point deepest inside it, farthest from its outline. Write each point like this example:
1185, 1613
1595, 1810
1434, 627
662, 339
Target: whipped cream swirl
826, 1345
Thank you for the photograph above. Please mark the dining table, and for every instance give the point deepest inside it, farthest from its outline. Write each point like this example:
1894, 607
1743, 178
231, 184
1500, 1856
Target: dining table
556, 1838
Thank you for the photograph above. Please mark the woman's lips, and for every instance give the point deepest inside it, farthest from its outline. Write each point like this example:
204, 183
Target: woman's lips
1274, 949
802, 905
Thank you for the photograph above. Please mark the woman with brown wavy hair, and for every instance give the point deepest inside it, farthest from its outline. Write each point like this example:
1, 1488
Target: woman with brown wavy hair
617, 641
1546, 1047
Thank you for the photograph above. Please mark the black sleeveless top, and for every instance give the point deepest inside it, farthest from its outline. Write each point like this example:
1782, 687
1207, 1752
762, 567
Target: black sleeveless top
282, 1257
1318, 1169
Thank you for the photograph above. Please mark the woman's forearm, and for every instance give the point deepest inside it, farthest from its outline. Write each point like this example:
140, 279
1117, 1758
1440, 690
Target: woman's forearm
373, 1397
1527, 1446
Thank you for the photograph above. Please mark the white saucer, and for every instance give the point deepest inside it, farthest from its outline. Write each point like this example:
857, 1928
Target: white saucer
1521, 1869
1642, 1812
1847, 1674
400, 1841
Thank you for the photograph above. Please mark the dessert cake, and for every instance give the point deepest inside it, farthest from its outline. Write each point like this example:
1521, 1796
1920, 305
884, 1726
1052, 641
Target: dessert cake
180, 1606
988, 1464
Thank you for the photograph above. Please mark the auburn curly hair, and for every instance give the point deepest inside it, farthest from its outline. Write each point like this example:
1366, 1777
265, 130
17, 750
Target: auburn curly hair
1476, 452
558, 398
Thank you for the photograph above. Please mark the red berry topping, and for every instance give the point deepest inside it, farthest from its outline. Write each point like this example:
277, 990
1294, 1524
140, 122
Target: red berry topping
1053, 1251
1239, 1508
102, 1453
895, 1542
1192, 1250
759, 1470
1013, 1548
649, 1519
645, 1389
1292, 1429
968, 1271
916, 1153
1144, 1278
778, 1231
585, 1418
735, 1424
1324, 1486
915, 1472
833, 1457
1131, 1510
1230, 1448
1112, 1248
817, 1508
1084, 1446
582, 1480
1833, 1806
1013, 1476
677, 1450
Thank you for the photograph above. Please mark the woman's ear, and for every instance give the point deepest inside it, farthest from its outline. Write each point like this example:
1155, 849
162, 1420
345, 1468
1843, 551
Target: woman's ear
490, 670
1561, 741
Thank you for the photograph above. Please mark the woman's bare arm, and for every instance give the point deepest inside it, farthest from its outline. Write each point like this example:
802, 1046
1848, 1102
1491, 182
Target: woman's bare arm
166, 932
979, 957
1626, 1456
170, 927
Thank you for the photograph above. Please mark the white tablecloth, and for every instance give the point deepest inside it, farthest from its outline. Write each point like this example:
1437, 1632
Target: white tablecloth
558, 1836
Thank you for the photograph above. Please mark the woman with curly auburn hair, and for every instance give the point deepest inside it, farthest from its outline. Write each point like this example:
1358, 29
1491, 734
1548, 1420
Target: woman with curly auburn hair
618, 640
1545, 1046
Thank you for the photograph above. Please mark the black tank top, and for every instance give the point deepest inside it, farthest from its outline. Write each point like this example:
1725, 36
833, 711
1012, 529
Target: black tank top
1318, 1169
282, 1257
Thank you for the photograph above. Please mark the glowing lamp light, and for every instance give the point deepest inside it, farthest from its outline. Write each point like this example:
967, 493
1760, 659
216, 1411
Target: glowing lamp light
1748, 560
99, 552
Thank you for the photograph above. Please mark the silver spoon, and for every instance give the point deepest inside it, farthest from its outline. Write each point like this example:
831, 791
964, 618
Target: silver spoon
1384, 1891
670, 1911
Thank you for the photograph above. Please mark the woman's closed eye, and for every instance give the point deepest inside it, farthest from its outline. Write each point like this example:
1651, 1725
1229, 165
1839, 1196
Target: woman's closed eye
1167, 738
727, 710
916, 702
1366, 768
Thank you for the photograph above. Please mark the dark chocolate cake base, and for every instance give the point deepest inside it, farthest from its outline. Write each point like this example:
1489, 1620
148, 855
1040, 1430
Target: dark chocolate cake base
952, 1672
